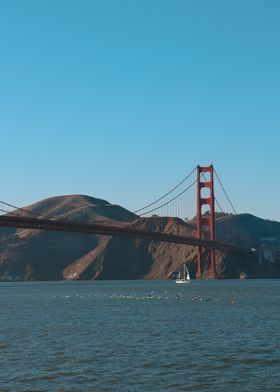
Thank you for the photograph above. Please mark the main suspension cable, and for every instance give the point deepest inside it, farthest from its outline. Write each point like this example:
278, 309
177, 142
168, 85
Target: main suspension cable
9, 213
174, 198
21, 209
225, 192
168, 193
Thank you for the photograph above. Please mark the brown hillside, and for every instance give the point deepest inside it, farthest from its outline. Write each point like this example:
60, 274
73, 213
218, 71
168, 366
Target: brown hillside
38, 255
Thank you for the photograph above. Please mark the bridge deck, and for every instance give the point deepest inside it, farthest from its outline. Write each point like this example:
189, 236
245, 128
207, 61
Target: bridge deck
111, 230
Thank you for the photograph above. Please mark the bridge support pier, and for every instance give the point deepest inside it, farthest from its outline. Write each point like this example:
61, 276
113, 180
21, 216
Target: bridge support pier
208, 219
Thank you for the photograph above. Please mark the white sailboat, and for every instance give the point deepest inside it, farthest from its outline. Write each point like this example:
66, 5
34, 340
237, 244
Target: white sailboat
183, 276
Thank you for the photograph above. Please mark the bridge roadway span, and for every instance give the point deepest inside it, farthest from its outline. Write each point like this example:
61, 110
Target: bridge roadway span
111, 230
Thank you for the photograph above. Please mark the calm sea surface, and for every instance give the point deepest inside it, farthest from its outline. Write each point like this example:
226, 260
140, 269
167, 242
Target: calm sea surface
140, 336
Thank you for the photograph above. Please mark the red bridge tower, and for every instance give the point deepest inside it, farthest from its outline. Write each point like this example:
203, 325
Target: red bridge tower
205, 220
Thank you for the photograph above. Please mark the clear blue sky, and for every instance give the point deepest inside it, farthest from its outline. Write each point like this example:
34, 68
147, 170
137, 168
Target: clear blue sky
120, 99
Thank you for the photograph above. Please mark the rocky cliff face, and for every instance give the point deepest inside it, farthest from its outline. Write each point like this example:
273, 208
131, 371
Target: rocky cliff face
126, 258
38, 255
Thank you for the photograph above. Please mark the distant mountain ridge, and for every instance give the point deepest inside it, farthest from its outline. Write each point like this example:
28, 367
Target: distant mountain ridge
39, 255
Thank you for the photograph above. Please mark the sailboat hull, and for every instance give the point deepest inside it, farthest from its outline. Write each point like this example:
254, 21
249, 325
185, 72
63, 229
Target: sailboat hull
182, 281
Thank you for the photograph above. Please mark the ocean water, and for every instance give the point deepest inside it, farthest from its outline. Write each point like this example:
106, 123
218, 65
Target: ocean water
140, 336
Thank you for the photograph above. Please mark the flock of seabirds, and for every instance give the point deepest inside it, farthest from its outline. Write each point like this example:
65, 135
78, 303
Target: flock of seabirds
150, 296
183, 276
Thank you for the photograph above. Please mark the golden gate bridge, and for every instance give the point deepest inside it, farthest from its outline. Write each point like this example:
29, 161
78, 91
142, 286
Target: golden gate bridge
207, 235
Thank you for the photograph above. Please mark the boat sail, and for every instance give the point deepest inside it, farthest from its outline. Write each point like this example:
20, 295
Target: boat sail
183, 275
